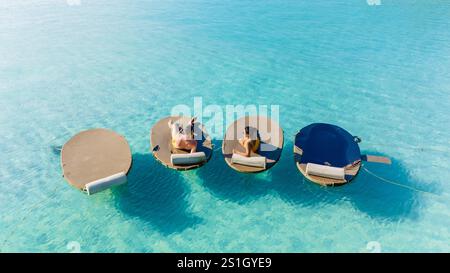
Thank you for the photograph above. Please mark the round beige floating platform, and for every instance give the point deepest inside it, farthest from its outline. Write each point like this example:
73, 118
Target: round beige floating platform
162, 148
94, 154
271, 145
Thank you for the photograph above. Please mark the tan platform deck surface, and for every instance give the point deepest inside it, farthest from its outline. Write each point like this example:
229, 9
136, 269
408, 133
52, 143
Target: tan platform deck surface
94, 154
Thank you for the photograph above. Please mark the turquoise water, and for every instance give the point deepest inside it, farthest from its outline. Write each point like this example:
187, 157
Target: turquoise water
382, 72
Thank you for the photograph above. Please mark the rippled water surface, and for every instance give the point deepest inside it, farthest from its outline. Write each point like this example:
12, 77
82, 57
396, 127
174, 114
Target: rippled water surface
382, 72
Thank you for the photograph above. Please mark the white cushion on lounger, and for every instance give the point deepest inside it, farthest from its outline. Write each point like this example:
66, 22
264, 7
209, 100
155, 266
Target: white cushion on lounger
105, 183
187, 159
325, 171
253, 161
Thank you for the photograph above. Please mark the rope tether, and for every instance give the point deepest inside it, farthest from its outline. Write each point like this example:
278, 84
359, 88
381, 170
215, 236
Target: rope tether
397, 184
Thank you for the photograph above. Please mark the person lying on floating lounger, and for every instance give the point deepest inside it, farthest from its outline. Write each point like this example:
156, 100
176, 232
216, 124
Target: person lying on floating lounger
180, 138
250, 142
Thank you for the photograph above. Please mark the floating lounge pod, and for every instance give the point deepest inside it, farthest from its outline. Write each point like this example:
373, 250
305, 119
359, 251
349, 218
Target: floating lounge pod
269, 147
327, 154
164, 151
95, 160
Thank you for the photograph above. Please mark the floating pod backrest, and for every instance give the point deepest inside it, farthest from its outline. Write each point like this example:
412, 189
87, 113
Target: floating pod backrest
254, 161
187, 159
105, 183
325, 171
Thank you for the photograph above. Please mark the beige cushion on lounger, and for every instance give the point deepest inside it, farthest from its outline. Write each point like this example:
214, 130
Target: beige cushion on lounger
254, 161
187, 159
325, 171
105, 183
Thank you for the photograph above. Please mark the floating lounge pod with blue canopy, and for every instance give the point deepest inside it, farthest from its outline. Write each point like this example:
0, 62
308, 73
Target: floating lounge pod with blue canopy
329, 155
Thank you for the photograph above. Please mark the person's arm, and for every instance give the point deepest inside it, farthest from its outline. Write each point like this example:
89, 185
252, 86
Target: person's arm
247, 152
192, 124
241, 141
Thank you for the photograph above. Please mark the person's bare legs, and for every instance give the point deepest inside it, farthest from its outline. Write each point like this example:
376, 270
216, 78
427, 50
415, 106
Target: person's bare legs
248, 149
194, 149
193, 146
190, 145
242, 142
353, 164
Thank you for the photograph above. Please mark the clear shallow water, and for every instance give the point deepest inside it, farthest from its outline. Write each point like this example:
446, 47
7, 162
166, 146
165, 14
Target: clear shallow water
381, 72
